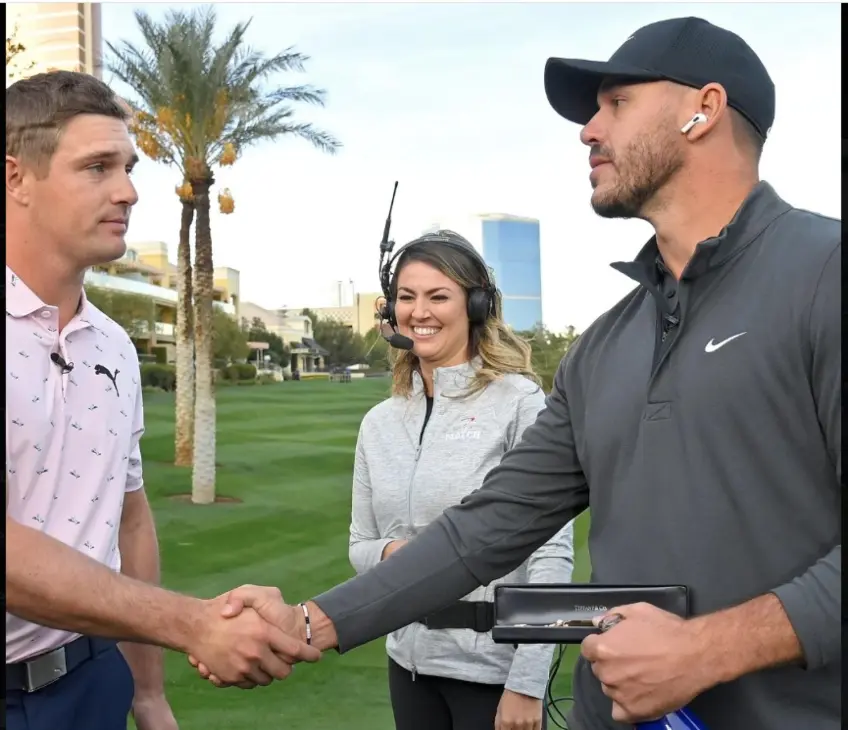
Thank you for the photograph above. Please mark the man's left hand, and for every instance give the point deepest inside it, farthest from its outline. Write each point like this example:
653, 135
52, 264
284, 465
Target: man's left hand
153, 713
519, 712
649, 664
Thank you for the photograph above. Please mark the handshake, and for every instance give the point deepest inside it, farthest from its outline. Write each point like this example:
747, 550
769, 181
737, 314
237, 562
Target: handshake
250, 637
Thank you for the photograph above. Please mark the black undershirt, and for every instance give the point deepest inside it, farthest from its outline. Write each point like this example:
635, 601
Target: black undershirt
668, 314
426, 417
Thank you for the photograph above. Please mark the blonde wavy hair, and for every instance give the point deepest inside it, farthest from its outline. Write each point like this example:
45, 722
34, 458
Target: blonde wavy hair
499, 350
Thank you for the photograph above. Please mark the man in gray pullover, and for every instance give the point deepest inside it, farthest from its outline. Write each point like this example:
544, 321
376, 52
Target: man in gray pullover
699, 419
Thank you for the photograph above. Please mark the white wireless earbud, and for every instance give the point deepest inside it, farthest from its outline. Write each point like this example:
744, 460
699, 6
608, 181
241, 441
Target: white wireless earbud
697, 119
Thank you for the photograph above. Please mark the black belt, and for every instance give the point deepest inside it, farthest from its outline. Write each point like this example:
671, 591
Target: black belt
475, 615
32, 674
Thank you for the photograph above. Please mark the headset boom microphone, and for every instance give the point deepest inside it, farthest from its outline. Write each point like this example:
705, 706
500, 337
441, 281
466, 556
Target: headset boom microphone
396, 340
385, 246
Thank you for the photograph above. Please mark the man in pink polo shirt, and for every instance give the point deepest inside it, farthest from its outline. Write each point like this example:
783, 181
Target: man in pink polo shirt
82, 554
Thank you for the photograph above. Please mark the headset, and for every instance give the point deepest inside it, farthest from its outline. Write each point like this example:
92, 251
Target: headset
482, 300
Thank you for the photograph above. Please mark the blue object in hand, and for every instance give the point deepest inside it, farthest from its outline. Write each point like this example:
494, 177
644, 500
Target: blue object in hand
680, 720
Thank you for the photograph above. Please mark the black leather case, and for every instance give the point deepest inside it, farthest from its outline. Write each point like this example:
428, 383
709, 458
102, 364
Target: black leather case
546, 603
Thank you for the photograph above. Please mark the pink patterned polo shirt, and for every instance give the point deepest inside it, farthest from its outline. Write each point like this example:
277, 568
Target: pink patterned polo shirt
72, 436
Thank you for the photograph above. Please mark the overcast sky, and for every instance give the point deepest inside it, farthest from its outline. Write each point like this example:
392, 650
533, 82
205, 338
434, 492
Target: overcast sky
449, 100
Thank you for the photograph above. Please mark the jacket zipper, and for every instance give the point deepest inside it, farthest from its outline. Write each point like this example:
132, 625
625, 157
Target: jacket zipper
416, 626
411, 481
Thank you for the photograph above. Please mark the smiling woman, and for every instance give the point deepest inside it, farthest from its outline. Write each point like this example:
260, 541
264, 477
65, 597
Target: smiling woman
445, 300
462, 395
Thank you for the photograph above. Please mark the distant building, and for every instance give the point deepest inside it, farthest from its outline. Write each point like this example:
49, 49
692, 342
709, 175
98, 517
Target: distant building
343, 293
360, 316
144, 270
295, 330
510, 245
65, 36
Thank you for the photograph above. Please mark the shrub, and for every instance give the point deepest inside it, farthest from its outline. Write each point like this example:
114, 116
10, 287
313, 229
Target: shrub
240, 372
246, 371
266, 379
156, 375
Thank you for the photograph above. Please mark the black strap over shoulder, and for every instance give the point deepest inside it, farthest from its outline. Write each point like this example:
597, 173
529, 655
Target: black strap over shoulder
475, 615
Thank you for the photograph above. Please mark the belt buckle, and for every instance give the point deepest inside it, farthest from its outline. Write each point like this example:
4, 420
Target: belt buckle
45, 669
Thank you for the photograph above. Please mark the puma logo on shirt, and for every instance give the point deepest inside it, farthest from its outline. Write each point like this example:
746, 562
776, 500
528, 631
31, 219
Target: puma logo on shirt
100, 370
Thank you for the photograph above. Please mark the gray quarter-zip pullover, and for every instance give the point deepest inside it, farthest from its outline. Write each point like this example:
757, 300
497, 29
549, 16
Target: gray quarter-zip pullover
406, 474
708, 448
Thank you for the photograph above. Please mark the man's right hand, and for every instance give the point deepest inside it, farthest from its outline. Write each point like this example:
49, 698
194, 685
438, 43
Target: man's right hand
237, 646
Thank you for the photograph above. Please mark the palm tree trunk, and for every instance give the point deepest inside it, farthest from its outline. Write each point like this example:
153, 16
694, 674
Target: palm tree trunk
184, 436
203, 476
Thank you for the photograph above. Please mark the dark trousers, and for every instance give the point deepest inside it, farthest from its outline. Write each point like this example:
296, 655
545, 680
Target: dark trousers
96, 695
438, 703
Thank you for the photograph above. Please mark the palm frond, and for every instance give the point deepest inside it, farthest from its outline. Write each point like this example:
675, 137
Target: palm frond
199, 96
307, 94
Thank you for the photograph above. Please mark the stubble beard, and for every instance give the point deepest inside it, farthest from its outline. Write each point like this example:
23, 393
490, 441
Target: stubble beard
644, 168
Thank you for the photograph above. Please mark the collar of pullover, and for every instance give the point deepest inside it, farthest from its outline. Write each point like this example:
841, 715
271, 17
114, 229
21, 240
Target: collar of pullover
760, 208
453, 380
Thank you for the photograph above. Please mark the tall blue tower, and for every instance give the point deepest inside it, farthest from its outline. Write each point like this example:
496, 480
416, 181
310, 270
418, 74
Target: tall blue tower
510, 246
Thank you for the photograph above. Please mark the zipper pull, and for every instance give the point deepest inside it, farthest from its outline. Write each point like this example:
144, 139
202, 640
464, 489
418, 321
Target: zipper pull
417, 454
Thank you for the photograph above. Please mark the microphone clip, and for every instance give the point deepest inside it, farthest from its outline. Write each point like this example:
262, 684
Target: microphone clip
59, 361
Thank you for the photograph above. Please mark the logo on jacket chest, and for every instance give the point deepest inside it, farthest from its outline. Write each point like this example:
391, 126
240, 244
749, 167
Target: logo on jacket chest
468, 430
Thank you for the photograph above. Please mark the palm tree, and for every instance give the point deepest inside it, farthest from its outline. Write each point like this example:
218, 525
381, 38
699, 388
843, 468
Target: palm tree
200, 106
158, 87
184, 335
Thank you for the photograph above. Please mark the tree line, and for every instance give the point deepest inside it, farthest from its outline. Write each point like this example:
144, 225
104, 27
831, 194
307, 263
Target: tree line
547, 350
231, 337
345, 346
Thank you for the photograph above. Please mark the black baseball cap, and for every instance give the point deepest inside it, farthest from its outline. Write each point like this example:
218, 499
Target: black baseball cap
687, 51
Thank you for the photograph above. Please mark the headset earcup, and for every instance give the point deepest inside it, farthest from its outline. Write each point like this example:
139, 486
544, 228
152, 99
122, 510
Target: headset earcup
479, 305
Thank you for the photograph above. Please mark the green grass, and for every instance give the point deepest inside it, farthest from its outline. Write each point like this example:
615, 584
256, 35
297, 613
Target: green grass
287, 452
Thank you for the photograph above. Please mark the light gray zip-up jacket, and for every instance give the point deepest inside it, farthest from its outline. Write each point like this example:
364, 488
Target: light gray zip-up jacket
400, 487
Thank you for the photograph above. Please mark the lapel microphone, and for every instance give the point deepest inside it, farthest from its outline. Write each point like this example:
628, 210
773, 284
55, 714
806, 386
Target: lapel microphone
60, 361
